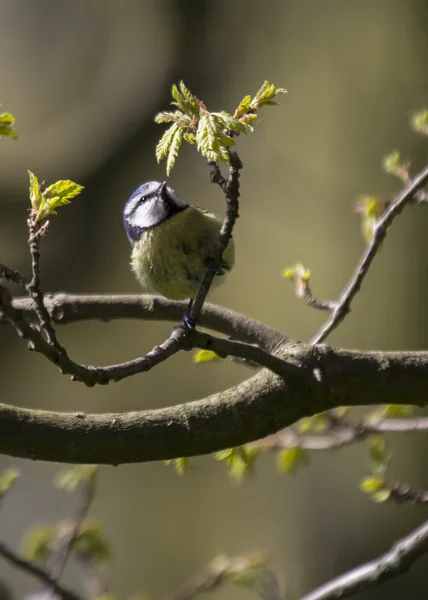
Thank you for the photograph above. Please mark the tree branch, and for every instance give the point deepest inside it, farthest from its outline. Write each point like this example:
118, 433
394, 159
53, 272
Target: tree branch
396, 561
36, 231
13, 276
69, 308
38, 572
59, 558
380, 231
231, 192
259, 406
340, 434
179, 339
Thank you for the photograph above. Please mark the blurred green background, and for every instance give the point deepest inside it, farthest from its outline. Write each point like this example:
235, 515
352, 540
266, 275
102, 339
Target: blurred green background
84, 79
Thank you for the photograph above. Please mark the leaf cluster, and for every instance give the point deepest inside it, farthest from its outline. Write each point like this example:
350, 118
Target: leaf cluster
45, 202
213, 133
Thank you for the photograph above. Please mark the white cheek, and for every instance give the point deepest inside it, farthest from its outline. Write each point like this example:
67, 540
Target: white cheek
148, 214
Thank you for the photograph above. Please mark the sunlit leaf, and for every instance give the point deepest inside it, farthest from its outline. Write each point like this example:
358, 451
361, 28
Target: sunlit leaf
181, 465
290, 459
372, 484
8, 478
69, 478
7, 121
38, 542
203, 356
36, 197
91, 544
173, 149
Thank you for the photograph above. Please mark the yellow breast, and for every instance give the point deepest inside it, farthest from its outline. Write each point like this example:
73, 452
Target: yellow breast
171, 259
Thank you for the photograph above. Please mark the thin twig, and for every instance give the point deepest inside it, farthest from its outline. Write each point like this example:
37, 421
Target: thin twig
309, 299
40, 574
402, 493
394, 562
36, 231
231, 191
255, 354
339, 433
371, 251
218, 572
13, 276
61, 554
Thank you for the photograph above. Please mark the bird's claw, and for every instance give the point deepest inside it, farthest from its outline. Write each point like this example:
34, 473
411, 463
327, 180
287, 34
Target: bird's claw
215, 268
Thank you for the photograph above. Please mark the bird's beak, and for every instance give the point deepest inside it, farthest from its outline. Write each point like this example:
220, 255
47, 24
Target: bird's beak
161, 189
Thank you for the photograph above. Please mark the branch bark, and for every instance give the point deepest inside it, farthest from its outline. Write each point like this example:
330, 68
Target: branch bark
37, 572
70, 308
259, 406
396, 561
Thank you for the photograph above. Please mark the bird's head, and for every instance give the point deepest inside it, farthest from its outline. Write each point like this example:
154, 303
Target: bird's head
150, 205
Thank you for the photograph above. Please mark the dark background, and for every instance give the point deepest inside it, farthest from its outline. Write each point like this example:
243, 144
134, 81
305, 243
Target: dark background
84, 79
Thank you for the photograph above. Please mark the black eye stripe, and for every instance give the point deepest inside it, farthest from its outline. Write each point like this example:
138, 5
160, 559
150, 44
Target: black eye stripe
141, 201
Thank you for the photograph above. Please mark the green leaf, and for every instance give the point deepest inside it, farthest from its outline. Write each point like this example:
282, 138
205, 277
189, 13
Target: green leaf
190, 99
185, 100
165, 142
266, 95
382, 496
243, 107
398, 411
7, 479
173, 150
419, 121
297, 271
7, 121
240, 461
372, 484
38, 542
91, 544
181, 465
393, 165
317, 423
190, 138
228, 122
60, 193
290, 459
69, 478
169, 117
380, 456
203, 356
36, 197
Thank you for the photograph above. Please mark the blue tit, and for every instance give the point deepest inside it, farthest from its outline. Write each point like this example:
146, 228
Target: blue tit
172, 241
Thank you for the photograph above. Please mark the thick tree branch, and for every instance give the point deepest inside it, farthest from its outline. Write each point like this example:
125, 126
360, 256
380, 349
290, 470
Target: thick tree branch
396, 561
353, 287
36, 571
259, 406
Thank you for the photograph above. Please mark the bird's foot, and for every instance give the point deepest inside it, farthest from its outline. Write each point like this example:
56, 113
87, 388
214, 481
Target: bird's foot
215, 268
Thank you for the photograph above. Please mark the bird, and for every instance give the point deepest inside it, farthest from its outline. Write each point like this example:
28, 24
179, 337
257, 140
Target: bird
172, 242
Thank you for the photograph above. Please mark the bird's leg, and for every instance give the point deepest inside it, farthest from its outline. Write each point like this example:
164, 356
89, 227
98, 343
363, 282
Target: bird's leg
188, 321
